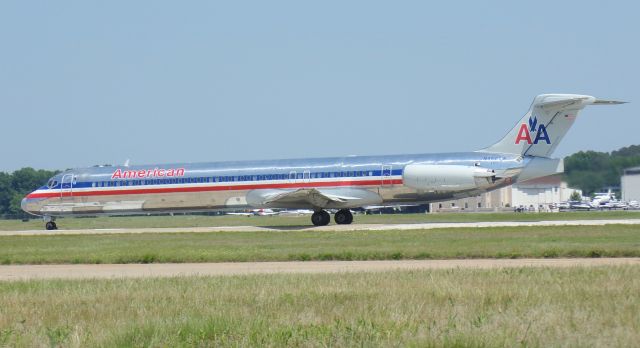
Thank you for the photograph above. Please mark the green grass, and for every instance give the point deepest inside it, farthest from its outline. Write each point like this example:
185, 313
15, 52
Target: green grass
206, 221
495, 242
532, 307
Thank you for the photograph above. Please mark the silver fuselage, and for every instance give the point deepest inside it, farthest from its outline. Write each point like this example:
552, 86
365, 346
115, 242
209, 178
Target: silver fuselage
226, 185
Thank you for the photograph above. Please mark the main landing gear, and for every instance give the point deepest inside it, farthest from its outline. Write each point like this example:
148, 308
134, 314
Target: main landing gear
343, 217
322, 218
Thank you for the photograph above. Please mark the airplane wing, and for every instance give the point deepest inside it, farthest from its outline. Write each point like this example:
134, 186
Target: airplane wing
312, 197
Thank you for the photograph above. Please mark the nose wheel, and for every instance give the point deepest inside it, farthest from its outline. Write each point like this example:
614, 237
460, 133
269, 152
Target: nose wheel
343, 217
51, 225
320, 218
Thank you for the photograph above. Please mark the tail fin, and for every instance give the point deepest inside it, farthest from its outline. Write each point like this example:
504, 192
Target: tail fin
542, 128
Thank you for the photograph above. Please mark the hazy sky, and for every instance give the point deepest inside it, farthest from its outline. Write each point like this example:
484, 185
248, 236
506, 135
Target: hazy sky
84, 82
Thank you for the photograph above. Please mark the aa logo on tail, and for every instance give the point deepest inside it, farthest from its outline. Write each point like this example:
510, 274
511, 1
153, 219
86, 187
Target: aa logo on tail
527, 130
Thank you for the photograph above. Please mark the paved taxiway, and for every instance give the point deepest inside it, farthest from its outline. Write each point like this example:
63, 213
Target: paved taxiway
333, 227
25, 272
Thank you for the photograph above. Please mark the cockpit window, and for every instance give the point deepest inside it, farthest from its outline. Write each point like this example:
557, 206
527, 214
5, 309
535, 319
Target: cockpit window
52, 183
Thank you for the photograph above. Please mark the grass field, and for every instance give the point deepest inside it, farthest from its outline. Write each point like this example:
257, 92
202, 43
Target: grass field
535, 307
228, 220
496, 242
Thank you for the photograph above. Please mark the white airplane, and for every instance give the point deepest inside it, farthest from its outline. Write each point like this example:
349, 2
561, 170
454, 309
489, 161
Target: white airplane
297, 212
255, 212
602, 198
317, 184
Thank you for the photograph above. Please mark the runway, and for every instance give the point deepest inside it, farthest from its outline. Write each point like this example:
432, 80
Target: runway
111, 271
333, 227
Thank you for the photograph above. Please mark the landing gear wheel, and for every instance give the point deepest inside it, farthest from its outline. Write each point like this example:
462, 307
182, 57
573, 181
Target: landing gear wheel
51, 226
320, 218
343, 217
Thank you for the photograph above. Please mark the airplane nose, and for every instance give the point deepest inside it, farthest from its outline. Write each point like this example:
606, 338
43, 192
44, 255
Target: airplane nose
23, 204
28, 206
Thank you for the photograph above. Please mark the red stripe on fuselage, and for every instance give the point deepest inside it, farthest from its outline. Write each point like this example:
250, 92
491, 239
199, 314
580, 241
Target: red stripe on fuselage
142, 191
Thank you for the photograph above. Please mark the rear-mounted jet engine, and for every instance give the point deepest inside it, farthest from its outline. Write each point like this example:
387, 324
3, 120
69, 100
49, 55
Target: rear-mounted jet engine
435, 177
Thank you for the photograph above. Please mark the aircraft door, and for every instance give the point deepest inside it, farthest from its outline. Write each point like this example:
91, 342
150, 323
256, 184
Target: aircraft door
66, 186
386, 175
306, 176
292, 176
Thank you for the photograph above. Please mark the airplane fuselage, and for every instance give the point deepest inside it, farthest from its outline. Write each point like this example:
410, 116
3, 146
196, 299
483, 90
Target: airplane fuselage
229, 185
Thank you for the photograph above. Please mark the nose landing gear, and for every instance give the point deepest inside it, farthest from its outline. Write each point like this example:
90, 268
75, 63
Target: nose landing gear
49, 223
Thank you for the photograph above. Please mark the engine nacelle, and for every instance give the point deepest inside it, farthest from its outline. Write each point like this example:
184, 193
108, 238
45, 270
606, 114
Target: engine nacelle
441, 177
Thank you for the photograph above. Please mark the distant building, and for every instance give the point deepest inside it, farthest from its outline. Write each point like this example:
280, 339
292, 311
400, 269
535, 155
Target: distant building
630, 184
536, 194
490, 201
541, 193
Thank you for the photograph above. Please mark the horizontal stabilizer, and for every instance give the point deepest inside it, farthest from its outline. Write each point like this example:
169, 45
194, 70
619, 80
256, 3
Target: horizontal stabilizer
608, 102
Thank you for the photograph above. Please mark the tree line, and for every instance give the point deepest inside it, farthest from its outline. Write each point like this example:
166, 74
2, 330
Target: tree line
589, 171
592, 171
14, 186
